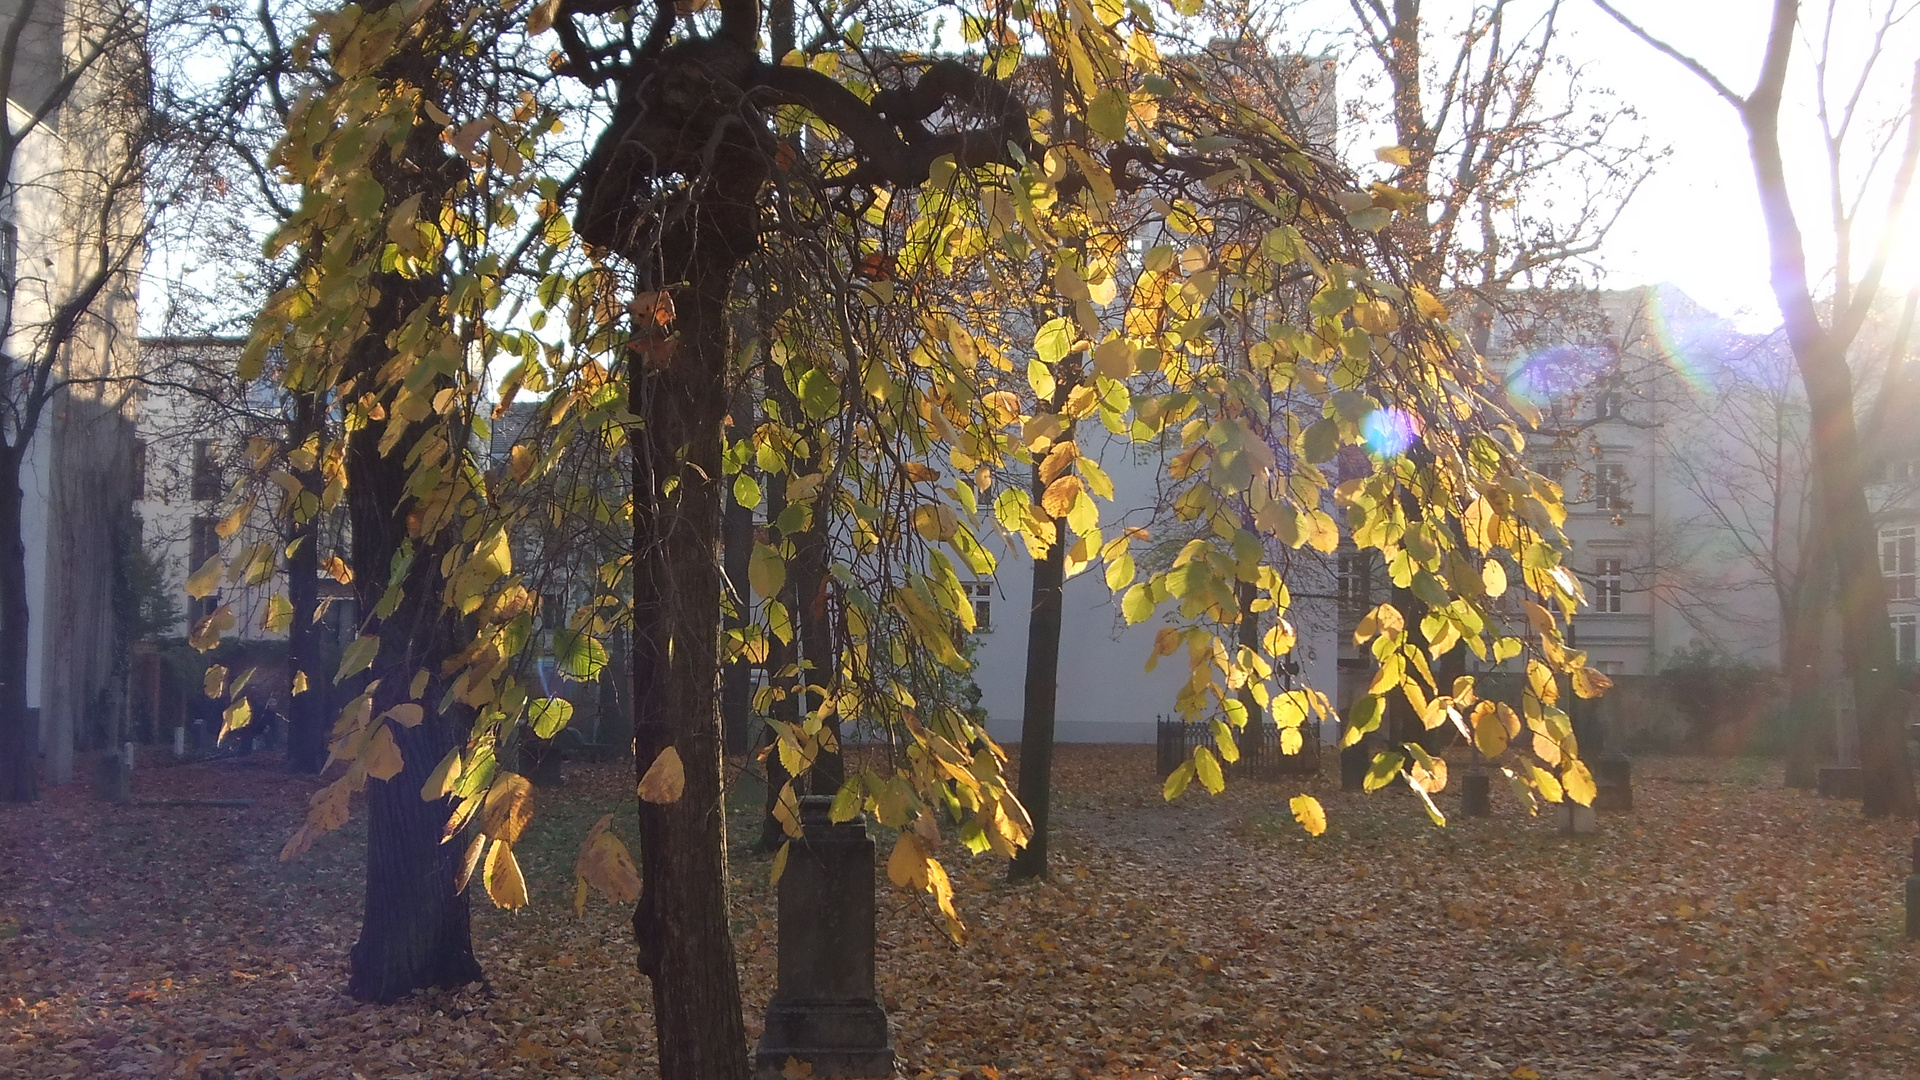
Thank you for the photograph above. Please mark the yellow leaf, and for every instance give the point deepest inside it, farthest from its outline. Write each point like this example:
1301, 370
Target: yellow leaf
1394, 155
237, 715
408, 714
1309, 813
1588, 683
665, 779
779, 862
1060, 496
907, 866
203, 581
337, 570
383, 756
508, 808
605, 864
215, 682
440, 784
505, 887
1489, 733
1429, 307
299, 682
1578, 782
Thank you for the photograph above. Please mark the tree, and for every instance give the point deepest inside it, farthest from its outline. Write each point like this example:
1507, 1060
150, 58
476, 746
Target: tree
73, 246
1821, 339
897, 228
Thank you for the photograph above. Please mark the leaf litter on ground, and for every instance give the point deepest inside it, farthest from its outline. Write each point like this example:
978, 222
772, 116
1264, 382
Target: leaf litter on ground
1728, 927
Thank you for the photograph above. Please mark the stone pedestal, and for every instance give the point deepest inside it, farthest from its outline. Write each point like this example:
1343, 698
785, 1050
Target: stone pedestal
1613, 783
1840, 781
1354, 762
824, 1012
1574, 819
1476, 795
113, 776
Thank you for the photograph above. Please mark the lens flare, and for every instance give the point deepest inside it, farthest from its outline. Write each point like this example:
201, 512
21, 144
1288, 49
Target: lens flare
1389, 432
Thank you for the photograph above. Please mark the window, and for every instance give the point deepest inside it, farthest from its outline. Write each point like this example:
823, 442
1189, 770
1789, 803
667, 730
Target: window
1906, 638
1897, 562
1610, 487
1608, 406
981, 593
139, 468
1354, 587
1606, 586
206, 471
203, 543
1609, 668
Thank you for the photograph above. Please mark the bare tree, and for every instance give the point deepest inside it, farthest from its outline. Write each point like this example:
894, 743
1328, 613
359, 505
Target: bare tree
1821, 336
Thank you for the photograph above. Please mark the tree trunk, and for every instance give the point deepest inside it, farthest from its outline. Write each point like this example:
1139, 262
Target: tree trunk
1820, 352
780, 656
1810, 734
1040, 701
307, 719
415, 932
681, 922
19, 738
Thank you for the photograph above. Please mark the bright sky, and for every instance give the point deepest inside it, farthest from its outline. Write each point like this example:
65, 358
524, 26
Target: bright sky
1697, 223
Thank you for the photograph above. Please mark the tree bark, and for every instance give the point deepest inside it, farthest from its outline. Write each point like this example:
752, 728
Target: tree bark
307, 720
415, 932
681, 922
1041, 696
19, 737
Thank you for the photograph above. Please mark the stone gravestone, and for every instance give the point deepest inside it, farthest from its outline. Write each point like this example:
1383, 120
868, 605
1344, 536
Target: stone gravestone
824, 1012
1476, 793
1844, 780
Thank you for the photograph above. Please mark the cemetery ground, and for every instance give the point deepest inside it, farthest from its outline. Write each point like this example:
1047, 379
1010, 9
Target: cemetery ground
1727, 927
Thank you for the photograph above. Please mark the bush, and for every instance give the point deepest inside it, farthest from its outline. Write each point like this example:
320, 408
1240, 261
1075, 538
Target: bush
1723, 699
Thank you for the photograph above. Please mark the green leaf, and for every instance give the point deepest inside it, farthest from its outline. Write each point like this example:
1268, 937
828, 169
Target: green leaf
1137, 605
1053, 341
1207, 768
1107, 114
746, 491
549, 716
819, 397
1321, 441
1386, 765
1120, 575
580, 657
766, 570
358, 656
1177, 781
847, 801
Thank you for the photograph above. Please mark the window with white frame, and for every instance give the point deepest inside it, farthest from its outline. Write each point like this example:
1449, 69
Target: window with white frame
981, 594
1354, 582
1906, 638
1606, 586
1610, 486
1897, 561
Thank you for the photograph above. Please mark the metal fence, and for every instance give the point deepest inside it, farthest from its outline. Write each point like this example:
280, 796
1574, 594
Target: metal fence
1260, 756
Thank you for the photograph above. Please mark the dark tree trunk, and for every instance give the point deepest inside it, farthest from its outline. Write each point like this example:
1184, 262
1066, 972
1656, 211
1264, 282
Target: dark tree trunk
1810, 734
1040, 699
307, 719
681, 922
817, 651
19, 739
415, 930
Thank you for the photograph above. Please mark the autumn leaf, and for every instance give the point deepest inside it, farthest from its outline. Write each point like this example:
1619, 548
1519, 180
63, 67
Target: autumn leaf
1308, 812
407, 714
504, 885
665, 779
606, 865
508, 806
382, 759
1060, 496
1578, 782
